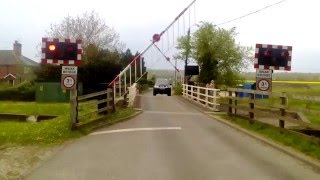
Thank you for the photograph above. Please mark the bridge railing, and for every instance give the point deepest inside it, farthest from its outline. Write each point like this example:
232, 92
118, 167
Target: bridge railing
128, 77
207, 97
271, 106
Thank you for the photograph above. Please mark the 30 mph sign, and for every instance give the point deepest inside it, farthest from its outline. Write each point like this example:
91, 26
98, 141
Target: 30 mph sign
264, 84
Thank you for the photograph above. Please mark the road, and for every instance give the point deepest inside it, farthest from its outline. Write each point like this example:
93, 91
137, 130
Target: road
170, 140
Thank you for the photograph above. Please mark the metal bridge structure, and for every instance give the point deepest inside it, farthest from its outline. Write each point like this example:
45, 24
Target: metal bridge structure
161, 45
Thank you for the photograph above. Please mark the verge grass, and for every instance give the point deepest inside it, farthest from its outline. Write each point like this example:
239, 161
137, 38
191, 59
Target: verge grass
297, 141
47, 132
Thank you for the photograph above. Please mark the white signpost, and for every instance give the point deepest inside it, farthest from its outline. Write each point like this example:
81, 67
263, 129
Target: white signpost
69, 77
264, 80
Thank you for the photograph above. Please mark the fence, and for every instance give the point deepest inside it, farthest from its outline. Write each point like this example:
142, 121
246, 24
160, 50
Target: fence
90, 107
274, 106
207, 97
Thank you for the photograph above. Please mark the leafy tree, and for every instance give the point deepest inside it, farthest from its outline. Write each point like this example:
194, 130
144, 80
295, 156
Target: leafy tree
91, 29
126, 57
214, 49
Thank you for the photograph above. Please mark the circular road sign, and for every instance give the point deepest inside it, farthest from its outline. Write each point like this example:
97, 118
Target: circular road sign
156, 37
263, 85
68, 82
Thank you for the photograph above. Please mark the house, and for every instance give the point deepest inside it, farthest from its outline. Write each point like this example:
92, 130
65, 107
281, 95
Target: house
14, 67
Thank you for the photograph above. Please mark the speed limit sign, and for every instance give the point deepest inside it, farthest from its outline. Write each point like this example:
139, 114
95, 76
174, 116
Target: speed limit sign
264, 84
68, 81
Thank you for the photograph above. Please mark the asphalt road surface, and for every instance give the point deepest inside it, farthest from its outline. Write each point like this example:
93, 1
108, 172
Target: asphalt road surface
171, 140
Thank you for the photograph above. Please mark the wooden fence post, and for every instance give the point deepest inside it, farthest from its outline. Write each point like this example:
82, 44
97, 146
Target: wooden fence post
214, 99
111, 93
230, 103
251, 103
236, 102
282, 109
198, 94
191, 92
207, 99
73, 108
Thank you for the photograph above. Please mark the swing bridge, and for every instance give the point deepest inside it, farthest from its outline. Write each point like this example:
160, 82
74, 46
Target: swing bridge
161, 47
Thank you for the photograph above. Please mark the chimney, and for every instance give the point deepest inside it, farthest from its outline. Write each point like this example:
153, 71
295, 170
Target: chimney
17, 48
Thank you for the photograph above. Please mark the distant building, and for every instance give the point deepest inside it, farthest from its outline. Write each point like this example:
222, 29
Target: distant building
14, 67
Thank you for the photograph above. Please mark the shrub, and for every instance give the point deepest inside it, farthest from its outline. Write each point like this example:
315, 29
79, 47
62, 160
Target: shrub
150, 83
22, 92
178, 89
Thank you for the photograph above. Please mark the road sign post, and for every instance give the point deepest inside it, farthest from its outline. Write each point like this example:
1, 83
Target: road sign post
69, 81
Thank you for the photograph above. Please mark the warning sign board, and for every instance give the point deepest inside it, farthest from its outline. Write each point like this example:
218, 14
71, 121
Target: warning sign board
70, 70
264, 73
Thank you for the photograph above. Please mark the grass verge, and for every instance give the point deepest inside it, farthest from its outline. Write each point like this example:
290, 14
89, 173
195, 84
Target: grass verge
47, 132
297, 141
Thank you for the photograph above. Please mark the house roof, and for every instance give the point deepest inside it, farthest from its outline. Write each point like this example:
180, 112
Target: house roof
28, 61
9, 75
8, 57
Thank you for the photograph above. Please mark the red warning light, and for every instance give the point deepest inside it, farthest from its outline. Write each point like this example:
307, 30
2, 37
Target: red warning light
70, 48
267, 53
285, 55
52, 47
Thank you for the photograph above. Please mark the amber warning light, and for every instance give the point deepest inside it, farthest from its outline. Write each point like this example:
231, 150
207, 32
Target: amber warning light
52, 47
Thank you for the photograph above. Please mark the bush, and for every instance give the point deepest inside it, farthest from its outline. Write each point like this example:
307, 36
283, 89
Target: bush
178, 89
150, 83
22, 92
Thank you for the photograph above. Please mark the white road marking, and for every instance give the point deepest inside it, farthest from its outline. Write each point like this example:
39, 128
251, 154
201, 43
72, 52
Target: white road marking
136, 129
175, 113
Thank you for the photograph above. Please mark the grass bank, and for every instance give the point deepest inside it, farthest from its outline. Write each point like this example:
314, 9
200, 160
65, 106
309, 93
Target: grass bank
46, 132
299, 142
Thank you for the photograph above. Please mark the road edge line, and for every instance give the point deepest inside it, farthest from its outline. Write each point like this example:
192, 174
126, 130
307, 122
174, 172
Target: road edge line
314, 163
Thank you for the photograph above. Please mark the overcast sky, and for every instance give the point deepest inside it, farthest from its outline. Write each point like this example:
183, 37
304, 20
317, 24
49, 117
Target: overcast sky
292, 23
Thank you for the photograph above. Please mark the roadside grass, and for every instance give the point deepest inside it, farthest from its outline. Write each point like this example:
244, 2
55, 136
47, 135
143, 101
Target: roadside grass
178, 89
299, 142
49, 132
54, 131
34, 108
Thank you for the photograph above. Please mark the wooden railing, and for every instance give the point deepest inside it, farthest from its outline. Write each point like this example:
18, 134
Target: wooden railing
260, 107
90, 107
207, 97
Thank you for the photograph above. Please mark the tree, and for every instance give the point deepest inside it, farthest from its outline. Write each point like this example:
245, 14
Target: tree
126, 57
91, 29
219, 57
